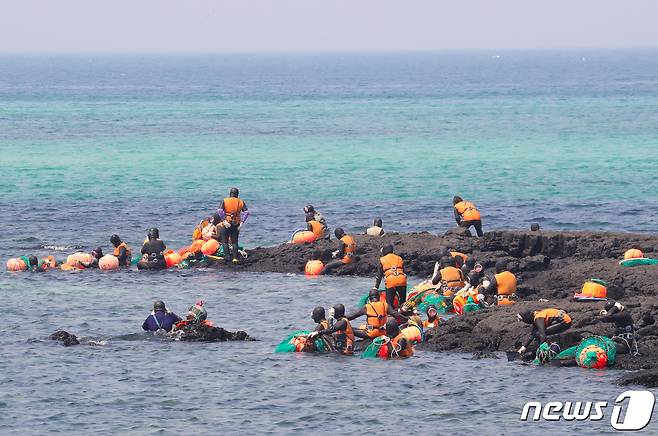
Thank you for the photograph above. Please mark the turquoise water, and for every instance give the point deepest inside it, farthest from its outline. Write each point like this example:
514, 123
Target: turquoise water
96, 145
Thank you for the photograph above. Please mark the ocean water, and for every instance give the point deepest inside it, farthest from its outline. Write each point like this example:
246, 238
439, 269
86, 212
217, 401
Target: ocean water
94, 145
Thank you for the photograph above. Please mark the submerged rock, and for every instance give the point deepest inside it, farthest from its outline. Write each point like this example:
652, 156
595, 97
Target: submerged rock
67, 339
203, 333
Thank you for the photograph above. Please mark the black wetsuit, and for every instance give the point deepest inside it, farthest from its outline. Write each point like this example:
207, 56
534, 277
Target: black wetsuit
540, 332
338, 261
466, 224
400, 291
155, 249
123, 257
232, 233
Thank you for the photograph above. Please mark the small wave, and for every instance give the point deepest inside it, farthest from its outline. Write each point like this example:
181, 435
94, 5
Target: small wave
61, 247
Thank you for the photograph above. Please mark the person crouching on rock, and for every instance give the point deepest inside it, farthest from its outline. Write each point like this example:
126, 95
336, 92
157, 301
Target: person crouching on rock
617, 313
467, 215
376, 229
160, 318
317, 216
315, 226
446, 272
345, 253
546, 322
502, 284
341, 332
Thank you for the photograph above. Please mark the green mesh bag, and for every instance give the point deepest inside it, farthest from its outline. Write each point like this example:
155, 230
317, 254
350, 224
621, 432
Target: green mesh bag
583, 357
442, 303
372, 350
288, 345
471, 306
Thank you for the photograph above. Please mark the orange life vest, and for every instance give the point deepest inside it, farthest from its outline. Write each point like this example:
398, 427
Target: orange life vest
454, 277
506, 282
197, 233
350, 248
393, 267
431, 324
468, 211
551, 316
316, 228
233, 206
129, 254
412, 335
376, 313
183, 323
345, 338
48, 262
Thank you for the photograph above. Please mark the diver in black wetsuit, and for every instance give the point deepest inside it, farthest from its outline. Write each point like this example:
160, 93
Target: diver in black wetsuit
153, 251
121, 251
624, 337
341, 331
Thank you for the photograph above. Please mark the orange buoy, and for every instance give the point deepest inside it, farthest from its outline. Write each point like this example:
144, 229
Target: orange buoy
633, 253
197, 245
16, 265
108, 263
74, 258
48, 262
210, 247
172, 259
303, 237
313, 267
594, 288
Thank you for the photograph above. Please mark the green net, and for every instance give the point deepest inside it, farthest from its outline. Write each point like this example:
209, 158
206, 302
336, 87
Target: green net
471, 306
637, 262
442, 303
584, 358
372, 350
287, 345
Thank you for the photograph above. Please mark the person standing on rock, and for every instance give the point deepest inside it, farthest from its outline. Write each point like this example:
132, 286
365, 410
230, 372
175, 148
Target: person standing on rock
503, 285
466, 214
391, 269
546, 322
233, 211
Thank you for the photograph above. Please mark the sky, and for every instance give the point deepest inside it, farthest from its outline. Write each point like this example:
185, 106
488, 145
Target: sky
193, 26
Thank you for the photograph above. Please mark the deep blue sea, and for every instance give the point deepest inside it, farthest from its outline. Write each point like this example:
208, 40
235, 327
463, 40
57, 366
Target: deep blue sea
95, 145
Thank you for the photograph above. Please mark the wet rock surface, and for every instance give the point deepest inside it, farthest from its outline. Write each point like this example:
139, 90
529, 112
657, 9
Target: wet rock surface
549, 265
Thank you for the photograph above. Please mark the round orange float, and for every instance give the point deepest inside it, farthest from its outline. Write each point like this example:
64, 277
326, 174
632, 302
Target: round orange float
210, 247
16, 265
633, 253
303, 237
313, 267
108, 263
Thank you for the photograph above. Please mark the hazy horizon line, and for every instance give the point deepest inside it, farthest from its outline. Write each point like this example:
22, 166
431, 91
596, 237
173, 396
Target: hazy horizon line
322, 52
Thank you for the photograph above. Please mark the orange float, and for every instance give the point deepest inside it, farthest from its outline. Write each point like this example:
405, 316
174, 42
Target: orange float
172, 259
74, 258
303, 237
108, 263
313, 267
593, 288
633, 253
210, 247
16, 265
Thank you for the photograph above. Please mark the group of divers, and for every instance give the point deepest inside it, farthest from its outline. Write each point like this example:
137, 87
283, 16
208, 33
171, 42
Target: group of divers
393, 323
